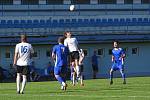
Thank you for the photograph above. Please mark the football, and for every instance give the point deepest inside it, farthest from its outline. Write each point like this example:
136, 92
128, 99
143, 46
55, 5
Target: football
72, 7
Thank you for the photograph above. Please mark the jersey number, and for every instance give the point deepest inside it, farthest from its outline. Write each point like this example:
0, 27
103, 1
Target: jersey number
24, 49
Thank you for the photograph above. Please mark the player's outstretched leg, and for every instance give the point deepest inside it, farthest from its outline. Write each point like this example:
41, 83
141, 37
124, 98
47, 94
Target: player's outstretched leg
61, 81
123, 76
111, 77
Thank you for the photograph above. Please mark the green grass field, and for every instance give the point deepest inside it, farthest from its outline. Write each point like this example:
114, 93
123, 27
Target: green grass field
137, 88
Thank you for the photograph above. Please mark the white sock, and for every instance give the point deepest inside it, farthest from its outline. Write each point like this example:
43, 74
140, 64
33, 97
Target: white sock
63, 83
73, 79
18, 82
23, 83
78, 71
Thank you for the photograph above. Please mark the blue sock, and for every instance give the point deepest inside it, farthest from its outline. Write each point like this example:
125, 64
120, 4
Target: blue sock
60, 79
64, 79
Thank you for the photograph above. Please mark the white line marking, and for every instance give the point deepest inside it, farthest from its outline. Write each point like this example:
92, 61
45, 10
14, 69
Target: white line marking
64, 95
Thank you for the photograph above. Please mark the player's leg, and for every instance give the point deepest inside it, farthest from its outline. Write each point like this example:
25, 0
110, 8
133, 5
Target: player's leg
60, 79
18, 82
64, 72
24, 78
81, 79
18, 78
72, 63
94, 71
76, 57
73, 73
57, 72
113, 68
94, 74
77, 68
81, 75
123, 75
111, 76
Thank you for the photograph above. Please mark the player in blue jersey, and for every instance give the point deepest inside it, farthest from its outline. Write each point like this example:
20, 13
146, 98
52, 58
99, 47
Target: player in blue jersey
59, 55
118, 56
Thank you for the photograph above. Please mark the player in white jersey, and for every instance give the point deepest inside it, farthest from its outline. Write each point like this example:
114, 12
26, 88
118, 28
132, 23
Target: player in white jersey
22, 60
73, 47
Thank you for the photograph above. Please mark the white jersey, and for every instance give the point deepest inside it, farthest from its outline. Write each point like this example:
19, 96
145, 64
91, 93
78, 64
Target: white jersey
72, 44
24, 51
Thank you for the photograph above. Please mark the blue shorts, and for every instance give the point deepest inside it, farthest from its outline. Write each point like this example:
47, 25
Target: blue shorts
60, 70
117, 66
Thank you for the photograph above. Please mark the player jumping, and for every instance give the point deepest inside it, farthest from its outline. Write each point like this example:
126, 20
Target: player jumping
73, 47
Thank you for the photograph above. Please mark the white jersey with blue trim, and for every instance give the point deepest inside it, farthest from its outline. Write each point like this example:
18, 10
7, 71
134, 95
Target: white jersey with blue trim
72, 44
24, 51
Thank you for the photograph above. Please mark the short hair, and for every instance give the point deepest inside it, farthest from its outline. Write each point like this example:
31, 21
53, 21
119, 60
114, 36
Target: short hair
23, 37
116, 41
61, 40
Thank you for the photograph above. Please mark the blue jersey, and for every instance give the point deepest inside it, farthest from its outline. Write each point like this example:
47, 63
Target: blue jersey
61, 53
118, 63
117, 54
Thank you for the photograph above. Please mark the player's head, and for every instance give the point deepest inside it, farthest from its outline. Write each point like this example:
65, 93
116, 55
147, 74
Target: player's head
116, 44
67, 34
61, 40
23, 38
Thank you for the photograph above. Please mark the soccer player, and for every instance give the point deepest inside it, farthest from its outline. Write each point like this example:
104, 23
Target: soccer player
94, 64
59, 55
73, 47
118, 56
22, 57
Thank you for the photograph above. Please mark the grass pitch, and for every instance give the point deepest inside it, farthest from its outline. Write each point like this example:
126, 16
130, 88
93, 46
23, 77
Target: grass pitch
137, 88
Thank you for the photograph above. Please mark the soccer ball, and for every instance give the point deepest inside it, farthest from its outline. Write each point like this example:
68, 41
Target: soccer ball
72, 7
